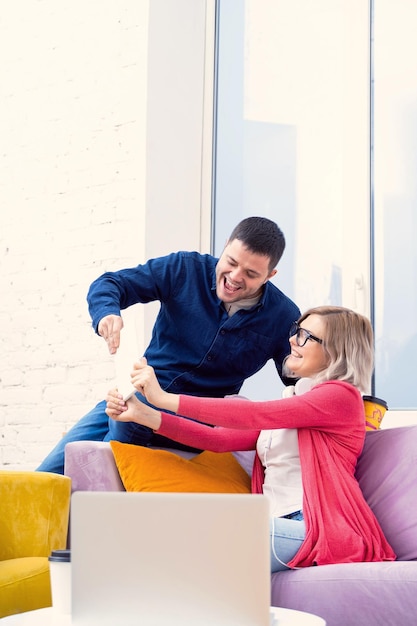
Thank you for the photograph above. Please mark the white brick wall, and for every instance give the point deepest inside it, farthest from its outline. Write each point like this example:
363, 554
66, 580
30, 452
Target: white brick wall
72, 179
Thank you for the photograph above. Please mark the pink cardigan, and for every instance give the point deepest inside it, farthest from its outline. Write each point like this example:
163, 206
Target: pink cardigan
340, 526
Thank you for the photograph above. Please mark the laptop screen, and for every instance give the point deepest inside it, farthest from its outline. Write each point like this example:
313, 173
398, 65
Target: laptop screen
170, 558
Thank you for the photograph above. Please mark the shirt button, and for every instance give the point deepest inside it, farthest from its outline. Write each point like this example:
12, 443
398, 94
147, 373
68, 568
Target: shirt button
209, 358
222, 332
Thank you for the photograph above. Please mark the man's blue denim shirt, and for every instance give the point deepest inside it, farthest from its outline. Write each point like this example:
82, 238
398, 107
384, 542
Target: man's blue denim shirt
196, 348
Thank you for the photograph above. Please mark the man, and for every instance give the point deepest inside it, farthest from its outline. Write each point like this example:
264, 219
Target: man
219, 322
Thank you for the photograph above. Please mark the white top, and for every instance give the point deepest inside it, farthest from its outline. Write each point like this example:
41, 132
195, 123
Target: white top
278, 451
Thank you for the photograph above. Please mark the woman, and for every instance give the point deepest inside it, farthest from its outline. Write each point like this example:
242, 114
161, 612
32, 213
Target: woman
307, 444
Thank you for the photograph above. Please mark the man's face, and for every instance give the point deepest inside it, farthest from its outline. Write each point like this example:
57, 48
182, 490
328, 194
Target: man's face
240, 273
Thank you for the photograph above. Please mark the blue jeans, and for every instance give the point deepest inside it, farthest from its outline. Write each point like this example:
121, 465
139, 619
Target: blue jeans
287, 535
97, 426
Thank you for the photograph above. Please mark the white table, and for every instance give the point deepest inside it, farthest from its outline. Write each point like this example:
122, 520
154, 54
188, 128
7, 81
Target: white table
289, 617
41, 617
48, 617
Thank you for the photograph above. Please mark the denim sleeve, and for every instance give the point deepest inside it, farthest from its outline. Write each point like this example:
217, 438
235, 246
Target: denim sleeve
114, 291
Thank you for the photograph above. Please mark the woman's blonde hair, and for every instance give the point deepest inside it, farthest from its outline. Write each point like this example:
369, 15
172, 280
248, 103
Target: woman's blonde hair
349, 342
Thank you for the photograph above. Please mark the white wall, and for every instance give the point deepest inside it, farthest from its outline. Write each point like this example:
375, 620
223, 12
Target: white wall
102, 165
79, 189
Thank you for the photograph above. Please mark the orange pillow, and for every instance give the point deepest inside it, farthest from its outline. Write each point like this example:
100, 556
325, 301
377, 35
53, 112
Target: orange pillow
145, 469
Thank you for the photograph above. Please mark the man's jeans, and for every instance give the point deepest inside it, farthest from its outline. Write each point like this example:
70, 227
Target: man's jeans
97, 426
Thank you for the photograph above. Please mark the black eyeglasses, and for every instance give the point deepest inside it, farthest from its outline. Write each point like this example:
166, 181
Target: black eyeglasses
302, 335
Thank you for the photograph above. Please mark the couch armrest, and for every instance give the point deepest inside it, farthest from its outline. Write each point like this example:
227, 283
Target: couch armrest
34, 512
91, 466
387, 475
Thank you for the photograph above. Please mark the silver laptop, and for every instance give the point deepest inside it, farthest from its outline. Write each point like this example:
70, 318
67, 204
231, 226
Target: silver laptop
170, 559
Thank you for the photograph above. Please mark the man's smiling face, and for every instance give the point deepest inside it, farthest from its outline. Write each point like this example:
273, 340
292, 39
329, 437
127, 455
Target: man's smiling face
240, 274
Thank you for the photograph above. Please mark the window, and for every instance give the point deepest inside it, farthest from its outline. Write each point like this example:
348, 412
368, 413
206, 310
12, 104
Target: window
305, 137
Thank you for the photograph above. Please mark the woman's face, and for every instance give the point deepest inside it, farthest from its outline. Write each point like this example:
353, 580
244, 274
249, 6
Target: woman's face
311, 358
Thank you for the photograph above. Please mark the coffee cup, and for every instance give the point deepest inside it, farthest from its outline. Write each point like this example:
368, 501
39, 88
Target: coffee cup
60, 572
375, 409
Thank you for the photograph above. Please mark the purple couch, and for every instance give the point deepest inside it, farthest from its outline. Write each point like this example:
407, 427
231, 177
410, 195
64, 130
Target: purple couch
354, 594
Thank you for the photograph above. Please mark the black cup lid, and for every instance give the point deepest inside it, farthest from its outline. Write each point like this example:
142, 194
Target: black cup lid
376, 400
63, 556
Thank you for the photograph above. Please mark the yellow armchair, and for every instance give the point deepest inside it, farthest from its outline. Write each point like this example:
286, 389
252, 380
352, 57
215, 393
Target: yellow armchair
34, 514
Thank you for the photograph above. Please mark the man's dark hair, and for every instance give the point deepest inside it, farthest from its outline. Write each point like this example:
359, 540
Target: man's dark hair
261, 236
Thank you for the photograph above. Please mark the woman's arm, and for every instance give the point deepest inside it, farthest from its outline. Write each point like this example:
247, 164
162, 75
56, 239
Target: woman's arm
144, 380
333, 406
205, 437
178, 428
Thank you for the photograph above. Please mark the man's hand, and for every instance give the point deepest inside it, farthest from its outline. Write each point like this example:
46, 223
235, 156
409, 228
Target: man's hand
109, 328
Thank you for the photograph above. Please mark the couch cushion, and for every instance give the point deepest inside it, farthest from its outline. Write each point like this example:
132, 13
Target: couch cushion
24, 585
351, 594
387, 474
144, 469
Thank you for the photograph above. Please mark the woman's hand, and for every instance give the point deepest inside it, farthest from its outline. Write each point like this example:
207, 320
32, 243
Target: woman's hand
144, 380
131, 411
